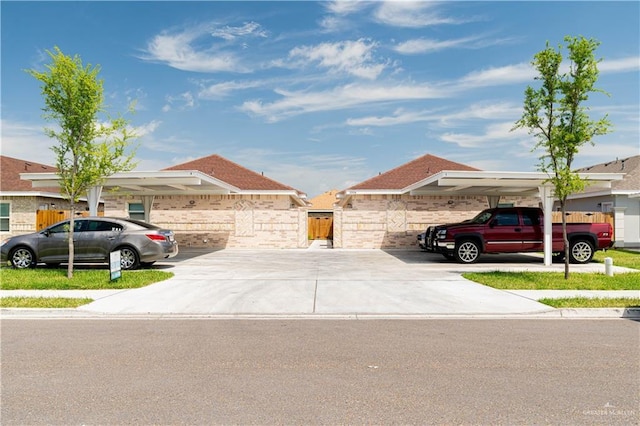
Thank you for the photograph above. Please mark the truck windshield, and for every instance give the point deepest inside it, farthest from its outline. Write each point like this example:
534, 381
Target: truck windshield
482, 217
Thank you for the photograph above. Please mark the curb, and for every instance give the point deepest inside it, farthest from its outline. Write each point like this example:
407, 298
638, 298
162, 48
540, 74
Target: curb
585, 313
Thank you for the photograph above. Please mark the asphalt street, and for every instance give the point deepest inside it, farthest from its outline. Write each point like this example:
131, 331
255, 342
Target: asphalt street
209, 372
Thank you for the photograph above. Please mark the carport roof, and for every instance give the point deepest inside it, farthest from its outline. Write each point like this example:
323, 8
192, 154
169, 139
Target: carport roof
478, 183
220, 176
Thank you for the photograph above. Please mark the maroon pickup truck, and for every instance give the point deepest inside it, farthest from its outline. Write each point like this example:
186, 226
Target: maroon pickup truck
514, 230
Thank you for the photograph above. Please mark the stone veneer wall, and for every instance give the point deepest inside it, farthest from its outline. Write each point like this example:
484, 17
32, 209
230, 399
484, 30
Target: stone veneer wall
225, 221
23, 210
394, 221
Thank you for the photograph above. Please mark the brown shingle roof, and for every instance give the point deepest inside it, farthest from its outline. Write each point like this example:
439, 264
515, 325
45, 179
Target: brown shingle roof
630, 166
324, 201
10, 169
411, 172
232, 173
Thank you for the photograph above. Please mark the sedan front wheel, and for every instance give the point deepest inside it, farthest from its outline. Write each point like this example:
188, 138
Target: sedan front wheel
22, 258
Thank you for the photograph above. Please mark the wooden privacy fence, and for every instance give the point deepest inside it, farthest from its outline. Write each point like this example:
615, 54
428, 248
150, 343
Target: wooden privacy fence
45, 218
585, 217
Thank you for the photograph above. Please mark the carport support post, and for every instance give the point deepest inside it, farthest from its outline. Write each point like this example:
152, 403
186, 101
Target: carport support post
93, 198
147, 203
547, 206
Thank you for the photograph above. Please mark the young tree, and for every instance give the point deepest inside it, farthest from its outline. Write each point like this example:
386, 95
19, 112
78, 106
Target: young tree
88, 150
555, 114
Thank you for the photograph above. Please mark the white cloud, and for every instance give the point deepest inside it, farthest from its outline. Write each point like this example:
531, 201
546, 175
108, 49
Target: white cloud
27, 142
425, 45
350, 57
499, 76
221, 90
411, 14
481, 111
296, 103
146, 129
184, 100
620, 65
399, 117
311, 173
177, 51
247, 29
493, 135
344, 7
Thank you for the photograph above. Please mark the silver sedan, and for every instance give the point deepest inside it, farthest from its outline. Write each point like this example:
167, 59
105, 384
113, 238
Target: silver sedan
94, 238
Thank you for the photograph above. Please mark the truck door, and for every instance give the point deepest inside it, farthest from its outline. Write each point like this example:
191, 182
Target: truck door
532, 235
504, 232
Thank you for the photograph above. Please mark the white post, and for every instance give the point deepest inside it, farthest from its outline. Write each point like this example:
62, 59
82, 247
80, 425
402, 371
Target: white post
93, 198
608, 266
547, 205
147, 203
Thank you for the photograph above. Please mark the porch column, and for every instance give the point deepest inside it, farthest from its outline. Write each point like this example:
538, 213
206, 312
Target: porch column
547, 206
147, 203
93, 199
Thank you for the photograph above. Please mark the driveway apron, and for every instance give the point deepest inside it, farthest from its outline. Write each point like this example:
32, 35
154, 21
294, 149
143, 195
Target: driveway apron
320, 282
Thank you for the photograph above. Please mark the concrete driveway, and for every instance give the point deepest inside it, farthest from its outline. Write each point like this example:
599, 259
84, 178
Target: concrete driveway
325, 282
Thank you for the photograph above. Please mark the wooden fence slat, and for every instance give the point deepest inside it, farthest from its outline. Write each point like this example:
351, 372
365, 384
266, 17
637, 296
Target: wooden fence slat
586, 217
46, 218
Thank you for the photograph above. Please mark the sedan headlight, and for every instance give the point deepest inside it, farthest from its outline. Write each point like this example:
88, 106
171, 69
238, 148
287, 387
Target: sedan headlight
5, 241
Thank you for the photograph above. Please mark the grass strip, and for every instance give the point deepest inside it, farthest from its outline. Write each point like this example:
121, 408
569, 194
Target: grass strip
94, 279
588, 302
43, 302
555, 280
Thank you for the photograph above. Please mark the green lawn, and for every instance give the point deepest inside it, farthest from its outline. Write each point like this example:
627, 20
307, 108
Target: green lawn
42, 302
576, 281
585, 302
626, 258
555, 280
83, 279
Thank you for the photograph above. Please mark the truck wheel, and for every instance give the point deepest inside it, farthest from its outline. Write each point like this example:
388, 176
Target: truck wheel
581, 251
467, 251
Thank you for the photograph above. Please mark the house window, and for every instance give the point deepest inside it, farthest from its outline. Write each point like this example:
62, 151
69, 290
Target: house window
606, 207
4, 216
136, 211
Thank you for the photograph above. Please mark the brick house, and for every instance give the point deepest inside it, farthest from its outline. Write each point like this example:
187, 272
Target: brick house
388, 212
238, 208
20, 202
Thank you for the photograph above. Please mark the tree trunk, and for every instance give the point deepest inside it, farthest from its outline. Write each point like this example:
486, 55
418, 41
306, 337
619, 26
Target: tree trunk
565, 238
72, 212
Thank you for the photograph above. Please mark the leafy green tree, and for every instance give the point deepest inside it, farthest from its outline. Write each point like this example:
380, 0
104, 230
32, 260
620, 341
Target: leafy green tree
556, 115
89, 149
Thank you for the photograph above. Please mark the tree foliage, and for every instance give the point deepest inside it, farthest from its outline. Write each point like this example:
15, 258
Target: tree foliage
89, 149
555, 113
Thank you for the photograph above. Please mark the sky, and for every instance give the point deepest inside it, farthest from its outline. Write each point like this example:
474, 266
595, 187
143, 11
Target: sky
320, 95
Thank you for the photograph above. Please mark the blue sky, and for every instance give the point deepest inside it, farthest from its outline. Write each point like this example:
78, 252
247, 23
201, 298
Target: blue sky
320, 95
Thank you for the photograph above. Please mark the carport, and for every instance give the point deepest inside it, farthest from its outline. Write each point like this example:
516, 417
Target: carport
149, 184
494, 185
